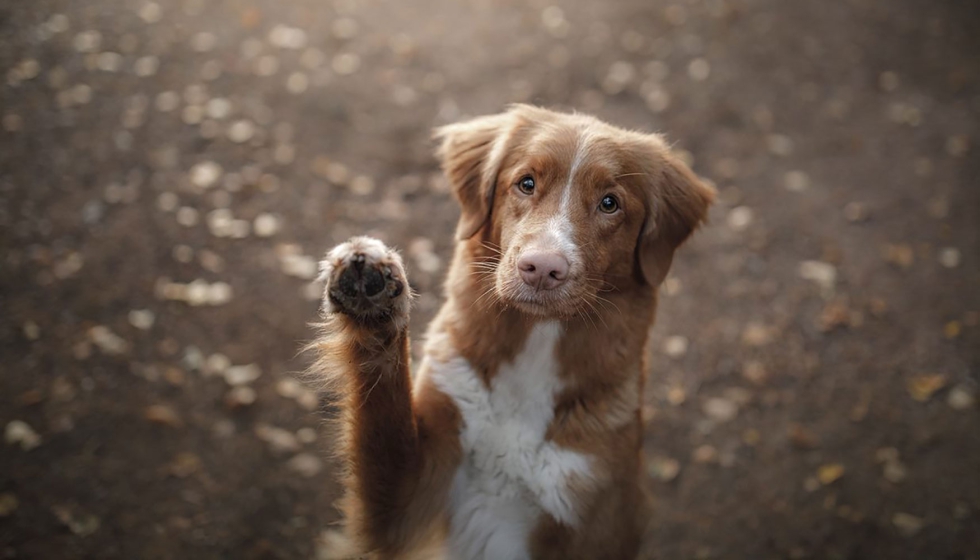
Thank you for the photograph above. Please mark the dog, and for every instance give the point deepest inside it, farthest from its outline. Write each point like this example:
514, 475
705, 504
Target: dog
520, 435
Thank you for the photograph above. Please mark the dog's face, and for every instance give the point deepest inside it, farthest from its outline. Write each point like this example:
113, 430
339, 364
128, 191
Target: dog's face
568, 207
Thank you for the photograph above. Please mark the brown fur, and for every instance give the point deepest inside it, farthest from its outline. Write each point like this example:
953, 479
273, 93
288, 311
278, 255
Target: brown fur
402, 442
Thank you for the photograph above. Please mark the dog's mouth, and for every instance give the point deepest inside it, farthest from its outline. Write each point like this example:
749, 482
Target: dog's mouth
561, 303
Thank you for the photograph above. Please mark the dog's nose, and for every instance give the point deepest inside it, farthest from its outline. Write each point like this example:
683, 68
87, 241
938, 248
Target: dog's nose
543, 270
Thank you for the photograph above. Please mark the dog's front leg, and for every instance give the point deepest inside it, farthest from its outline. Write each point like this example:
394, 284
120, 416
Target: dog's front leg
396, 459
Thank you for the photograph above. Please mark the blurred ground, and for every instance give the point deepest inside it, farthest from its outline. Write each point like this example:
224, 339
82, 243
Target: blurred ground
168, 173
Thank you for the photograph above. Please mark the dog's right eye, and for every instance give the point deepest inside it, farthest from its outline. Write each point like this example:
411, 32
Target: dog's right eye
526, 185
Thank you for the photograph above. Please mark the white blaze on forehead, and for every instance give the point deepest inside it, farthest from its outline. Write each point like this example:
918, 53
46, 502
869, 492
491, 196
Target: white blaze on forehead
560, 227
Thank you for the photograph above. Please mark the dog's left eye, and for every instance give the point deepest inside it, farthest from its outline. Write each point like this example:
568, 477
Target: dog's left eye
608, 204
526, 185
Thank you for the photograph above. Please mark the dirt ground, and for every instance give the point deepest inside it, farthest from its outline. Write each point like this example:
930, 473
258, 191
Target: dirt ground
171, 171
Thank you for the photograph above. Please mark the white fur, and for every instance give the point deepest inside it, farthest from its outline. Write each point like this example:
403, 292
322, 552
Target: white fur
510, 474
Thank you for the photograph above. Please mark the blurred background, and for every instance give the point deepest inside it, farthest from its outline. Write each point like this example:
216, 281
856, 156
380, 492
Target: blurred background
171, 171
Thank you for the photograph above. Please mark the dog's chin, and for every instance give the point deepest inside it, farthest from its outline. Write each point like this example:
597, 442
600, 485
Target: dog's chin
545, 305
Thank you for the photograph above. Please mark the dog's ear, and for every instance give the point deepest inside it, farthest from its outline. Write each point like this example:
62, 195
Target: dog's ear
677, 203
471, 153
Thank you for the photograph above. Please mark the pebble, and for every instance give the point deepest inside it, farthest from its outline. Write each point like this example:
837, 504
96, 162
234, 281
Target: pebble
675, 346
740, 218
961, 397
894, 471
345, 64
146, 66
289, 388
285, 37
361, 185
754, 372
163, 414
298, 266
305, 464
907, 524
183, 253
900, 254
80, 524
211, 261
306, 435
855, 212
779, 144
31, 330
150, 12
57, 23
167, 101
823, 274
618, 77
219, 222
422, 251
142, 319
219, 293
279, 440
216, 364
205, 174
657, 99
312, 58
204, 41
344, 28
720, 409
265, 225
664, 469
241, 131
218, 108
757, 334
107, 341
241, 396
242, 375
297, 83
109, 61
167, 201
699, 69
18, 432
705, 454
284, 154
949, 257
187, 216
87, 41
796, 181
266, 65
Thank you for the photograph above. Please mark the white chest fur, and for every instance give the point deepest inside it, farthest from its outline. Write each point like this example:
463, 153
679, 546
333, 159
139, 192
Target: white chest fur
510, 474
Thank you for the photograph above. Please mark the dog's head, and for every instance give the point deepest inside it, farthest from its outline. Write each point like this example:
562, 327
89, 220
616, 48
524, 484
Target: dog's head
567, 205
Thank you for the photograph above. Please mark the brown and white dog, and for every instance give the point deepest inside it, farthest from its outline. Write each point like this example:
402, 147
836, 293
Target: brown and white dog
520, 436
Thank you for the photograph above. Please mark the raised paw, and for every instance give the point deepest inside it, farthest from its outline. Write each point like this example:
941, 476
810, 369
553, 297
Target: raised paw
365, 280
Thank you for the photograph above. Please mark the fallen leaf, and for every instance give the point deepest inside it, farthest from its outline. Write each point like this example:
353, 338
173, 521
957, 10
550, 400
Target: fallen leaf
922, 387
830, 473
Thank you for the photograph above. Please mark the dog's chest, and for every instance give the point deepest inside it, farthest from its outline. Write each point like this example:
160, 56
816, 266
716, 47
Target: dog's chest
510, 473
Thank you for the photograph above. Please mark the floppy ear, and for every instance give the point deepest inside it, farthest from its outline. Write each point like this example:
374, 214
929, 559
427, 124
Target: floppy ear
677, 204
471, 153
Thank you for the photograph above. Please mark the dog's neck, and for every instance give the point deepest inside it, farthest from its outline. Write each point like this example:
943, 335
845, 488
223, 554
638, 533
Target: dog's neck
600, 349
